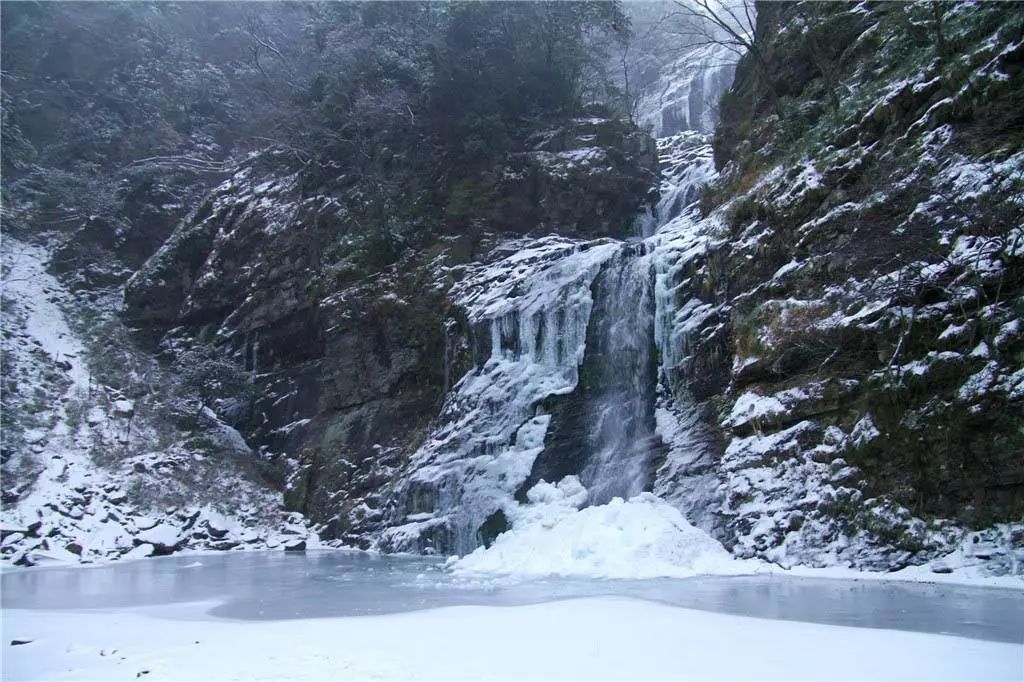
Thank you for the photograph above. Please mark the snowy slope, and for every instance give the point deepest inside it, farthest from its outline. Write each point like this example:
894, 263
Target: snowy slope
88, 475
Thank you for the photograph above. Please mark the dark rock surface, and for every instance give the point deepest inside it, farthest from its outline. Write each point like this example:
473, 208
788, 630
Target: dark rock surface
864, 289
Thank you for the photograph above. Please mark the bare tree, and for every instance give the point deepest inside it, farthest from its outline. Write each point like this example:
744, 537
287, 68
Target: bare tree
262, 41
729, 24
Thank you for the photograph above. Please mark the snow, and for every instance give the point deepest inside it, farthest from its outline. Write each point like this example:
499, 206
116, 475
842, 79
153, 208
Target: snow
591, 638
751, 407
644, 537
84, 491
964, 570
801, 178
789, 267
161, 534
27, 281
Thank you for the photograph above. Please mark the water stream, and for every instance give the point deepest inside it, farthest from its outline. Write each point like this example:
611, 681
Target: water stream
619, 383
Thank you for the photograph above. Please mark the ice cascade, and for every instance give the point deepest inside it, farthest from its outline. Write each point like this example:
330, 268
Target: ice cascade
571, 343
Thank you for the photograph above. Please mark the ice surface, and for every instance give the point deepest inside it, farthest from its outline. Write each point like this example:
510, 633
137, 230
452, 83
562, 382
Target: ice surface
595, 638
169, 619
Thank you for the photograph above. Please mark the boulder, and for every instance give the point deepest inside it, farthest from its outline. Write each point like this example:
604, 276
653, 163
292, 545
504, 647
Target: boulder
297, 545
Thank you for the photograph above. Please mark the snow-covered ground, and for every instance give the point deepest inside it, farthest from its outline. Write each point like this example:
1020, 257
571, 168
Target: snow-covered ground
593, 638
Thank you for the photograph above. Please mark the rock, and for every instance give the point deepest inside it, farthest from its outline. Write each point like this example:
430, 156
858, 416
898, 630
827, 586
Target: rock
164, 538
23, 559
8, 531
20, 642
250, 537
941, 568
124, 408
74, 548
34, 436
145, 522
589, 177
53, 551
295, 545
214, 530
139, 552
12, 538
189, 518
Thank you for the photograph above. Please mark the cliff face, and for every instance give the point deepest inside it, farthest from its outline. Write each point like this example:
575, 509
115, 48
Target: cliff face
861, 286
838, 336
353, 358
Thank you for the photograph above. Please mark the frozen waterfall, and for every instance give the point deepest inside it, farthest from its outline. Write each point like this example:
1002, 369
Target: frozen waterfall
619, 387
569, 341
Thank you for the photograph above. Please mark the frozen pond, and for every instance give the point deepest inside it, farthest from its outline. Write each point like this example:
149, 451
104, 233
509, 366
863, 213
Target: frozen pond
278, 586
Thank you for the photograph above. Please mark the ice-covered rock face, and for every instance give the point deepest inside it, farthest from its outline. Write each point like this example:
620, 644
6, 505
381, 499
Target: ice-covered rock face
529, 313
685, 95
688, 475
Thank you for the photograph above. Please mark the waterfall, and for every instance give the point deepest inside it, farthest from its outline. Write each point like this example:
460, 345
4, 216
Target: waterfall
621, 380
685, 95
575, 344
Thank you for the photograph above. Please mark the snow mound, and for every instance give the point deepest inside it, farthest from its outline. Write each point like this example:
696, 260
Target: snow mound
643, 538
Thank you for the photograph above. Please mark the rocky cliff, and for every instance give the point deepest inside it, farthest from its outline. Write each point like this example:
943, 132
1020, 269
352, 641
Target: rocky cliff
860, 286
353, 360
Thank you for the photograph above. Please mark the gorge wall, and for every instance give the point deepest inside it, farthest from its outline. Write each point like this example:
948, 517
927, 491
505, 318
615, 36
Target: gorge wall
859, 289
804, 331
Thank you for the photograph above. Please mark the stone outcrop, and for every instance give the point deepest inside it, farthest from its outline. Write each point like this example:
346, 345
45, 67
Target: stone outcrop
861, 287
